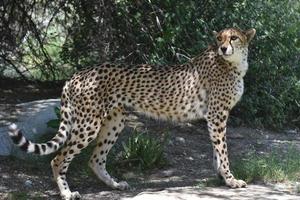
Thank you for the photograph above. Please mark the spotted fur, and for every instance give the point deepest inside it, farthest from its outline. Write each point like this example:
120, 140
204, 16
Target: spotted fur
93, 103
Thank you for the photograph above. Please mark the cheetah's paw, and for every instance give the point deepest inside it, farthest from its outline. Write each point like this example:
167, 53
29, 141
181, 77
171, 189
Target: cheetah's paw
123, 185
72, 196
234, 183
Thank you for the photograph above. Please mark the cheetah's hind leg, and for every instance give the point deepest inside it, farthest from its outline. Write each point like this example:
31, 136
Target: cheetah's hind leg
109, 132
80, 138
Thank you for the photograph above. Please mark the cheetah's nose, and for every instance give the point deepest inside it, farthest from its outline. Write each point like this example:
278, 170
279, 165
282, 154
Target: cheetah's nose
223, 49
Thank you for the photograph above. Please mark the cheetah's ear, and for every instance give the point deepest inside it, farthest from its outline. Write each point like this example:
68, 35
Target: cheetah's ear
250, 34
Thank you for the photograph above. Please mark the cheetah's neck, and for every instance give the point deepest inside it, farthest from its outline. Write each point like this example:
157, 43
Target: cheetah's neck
241, 67
240, 62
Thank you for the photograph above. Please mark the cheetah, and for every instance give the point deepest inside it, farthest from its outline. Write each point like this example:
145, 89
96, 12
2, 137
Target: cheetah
93, 102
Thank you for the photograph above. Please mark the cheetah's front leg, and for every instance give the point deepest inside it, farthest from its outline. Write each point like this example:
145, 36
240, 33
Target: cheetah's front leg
217, 131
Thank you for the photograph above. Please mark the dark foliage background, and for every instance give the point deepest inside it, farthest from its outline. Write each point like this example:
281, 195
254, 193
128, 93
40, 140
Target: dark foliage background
49, 40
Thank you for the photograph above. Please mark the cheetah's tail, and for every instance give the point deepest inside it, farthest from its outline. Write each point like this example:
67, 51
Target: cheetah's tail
37, 148
56, 142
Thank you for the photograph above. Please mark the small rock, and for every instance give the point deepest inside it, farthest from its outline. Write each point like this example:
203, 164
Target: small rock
267, 137
297, 187
167, 173
201, 156
28, 183
291, 132
5, 176
281, 187
190, 158
180, 140
189, 124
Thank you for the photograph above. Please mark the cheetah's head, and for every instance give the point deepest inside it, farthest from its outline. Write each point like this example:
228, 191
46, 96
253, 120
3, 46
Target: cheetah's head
233, 43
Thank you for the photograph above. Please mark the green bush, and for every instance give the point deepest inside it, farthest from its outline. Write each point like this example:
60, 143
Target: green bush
169, 31
140, 150
143, 151
83, 33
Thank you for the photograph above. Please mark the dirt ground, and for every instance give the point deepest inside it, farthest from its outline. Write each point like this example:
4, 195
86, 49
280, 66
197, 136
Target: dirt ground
188, 152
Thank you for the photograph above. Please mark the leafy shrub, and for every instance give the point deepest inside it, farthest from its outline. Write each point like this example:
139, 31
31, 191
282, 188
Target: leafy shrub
143, 151
54, 123
170, 31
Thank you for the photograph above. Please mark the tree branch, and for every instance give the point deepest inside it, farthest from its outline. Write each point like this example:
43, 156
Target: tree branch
14, 67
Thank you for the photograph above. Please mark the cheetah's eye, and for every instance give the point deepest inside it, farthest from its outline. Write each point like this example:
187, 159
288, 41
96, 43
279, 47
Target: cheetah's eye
219, 38
234, 37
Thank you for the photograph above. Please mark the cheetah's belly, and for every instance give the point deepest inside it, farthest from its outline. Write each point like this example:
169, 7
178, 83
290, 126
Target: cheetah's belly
177, 108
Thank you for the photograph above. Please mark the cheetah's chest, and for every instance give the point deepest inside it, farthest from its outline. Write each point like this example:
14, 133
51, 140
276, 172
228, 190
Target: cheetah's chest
237, 92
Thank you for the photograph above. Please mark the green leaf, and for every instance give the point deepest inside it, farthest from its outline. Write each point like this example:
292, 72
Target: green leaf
54, 123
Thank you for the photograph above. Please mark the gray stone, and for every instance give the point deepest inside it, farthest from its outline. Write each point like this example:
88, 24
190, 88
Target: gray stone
190, 158
167, 173
31, 118
297, 187
180, 140
291, 131
28, 183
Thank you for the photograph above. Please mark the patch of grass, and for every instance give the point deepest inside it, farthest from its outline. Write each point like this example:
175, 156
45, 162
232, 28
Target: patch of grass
143, 152
18, 196
277, 166
21, 196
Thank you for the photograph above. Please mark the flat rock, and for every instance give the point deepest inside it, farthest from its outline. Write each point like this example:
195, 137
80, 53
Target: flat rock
180, 140
31, 117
